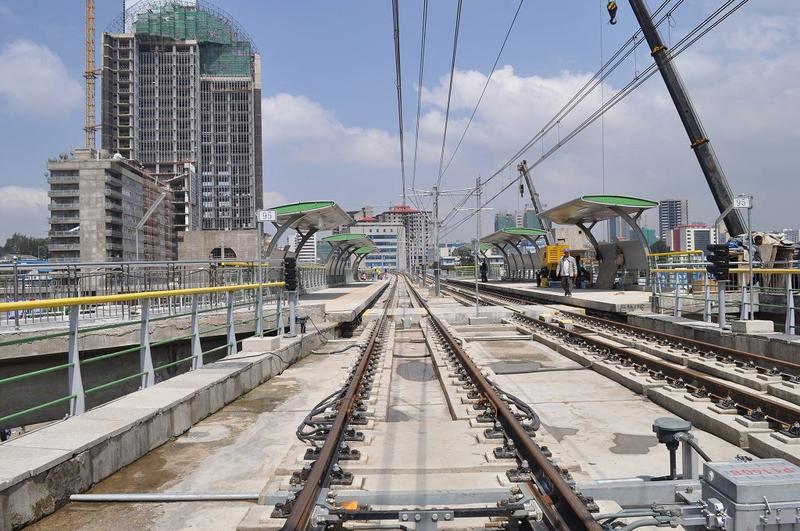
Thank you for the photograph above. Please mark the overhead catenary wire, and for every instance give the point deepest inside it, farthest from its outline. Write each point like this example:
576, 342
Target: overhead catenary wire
399, 83
605, 70
700, 30
485, 85
449, 91
419, 90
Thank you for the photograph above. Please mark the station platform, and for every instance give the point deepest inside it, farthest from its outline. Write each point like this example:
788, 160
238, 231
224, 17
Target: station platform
610, 301
344, 303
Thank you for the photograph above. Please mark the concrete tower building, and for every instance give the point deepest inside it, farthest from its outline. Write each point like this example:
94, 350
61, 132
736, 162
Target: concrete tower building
671, 213
182, 95
418, 225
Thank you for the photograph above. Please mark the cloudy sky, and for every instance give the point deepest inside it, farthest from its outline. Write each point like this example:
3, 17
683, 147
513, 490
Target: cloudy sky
330, 116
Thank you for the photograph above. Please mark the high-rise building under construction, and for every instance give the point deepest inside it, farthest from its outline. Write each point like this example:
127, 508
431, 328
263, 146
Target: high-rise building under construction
182, 95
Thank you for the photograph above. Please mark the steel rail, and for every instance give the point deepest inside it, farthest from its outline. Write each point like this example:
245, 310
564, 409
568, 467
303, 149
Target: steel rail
782, 413
764, 362
779, 412
306, 500
560, 504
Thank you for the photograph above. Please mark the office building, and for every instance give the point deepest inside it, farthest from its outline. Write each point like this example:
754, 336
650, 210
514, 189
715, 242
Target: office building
418, 226
671, 213
181, 93
529, 219
97, 206
692, 237
619, 230
390, 240
793, 235
504, 220
649, 235
308, 254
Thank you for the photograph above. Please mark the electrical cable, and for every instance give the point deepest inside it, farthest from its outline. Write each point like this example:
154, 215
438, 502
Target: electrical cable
485, 86
419, 91
449, 90
581, 94
399, 83
682, 45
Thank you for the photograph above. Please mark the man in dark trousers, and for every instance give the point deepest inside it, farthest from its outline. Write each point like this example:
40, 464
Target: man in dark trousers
484, 271
568, 271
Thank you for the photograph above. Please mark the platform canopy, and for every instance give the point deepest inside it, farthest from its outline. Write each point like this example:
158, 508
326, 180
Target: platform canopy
319, 215
349, 240
307, 218
589, 209
512, 235
366, 249
344, 246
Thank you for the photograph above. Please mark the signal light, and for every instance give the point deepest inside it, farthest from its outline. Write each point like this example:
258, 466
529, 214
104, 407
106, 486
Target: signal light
290, 273
719, 256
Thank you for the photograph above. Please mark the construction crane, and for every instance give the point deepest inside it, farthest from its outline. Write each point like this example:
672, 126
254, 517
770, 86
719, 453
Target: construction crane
90, 74
545, 224
706, 157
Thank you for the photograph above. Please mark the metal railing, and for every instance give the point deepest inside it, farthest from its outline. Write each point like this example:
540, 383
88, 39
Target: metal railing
243, 304
681, 285
21, 281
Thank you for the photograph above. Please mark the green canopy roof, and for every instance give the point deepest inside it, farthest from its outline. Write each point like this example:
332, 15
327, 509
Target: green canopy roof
345, 237
349, 240
319, 215
591, 208
524, 231
512, 235
366, 249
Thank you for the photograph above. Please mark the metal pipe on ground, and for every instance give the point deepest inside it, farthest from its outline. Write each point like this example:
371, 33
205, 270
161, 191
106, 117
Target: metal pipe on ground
159, 498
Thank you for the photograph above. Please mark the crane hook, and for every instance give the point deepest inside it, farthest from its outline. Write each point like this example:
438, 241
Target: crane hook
612, 11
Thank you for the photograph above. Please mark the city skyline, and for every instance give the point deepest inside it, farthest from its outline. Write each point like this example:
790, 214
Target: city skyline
310, 124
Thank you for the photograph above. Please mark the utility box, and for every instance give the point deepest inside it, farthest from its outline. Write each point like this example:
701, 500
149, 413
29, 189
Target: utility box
763, 494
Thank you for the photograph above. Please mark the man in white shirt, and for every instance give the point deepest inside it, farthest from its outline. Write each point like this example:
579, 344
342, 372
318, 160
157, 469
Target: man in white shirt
568, 271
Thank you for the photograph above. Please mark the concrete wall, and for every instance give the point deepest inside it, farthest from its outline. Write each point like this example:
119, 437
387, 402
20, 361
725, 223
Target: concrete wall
38, 472
197, 245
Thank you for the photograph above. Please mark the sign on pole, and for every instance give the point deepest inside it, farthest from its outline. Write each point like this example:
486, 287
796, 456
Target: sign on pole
743, 201
264, 216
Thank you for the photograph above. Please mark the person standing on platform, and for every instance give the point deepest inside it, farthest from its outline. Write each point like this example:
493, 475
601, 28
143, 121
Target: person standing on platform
568, 271
484, 271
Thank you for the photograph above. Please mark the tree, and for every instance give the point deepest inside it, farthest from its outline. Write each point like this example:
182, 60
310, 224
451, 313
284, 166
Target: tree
465, 255
659, 246
19, 244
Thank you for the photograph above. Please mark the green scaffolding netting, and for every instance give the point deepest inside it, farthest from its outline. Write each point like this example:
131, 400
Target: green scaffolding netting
222, 53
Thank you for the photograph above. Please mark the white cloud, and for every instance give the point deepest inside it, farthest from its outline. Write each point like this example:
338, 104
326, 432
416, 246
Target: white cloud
745, 92
272, 199
22, 210
33, 79
306, 132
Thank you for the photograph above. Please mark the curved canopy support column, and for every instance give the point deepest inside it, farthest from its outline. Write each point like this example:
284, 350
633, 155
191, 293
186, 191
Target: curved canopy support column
280, 230
521, 272
587, 231
303, 239
632, 222
356, 265
505, 258
513, 274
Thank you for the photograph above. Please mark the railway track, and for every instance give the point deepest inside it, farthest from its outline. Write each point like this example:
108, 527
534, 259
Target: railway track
543, 494
734, 381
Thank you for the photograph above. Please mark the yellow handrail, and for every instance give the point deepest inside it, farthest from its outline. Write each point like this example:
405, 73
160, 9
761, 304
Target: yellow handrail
127, 297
